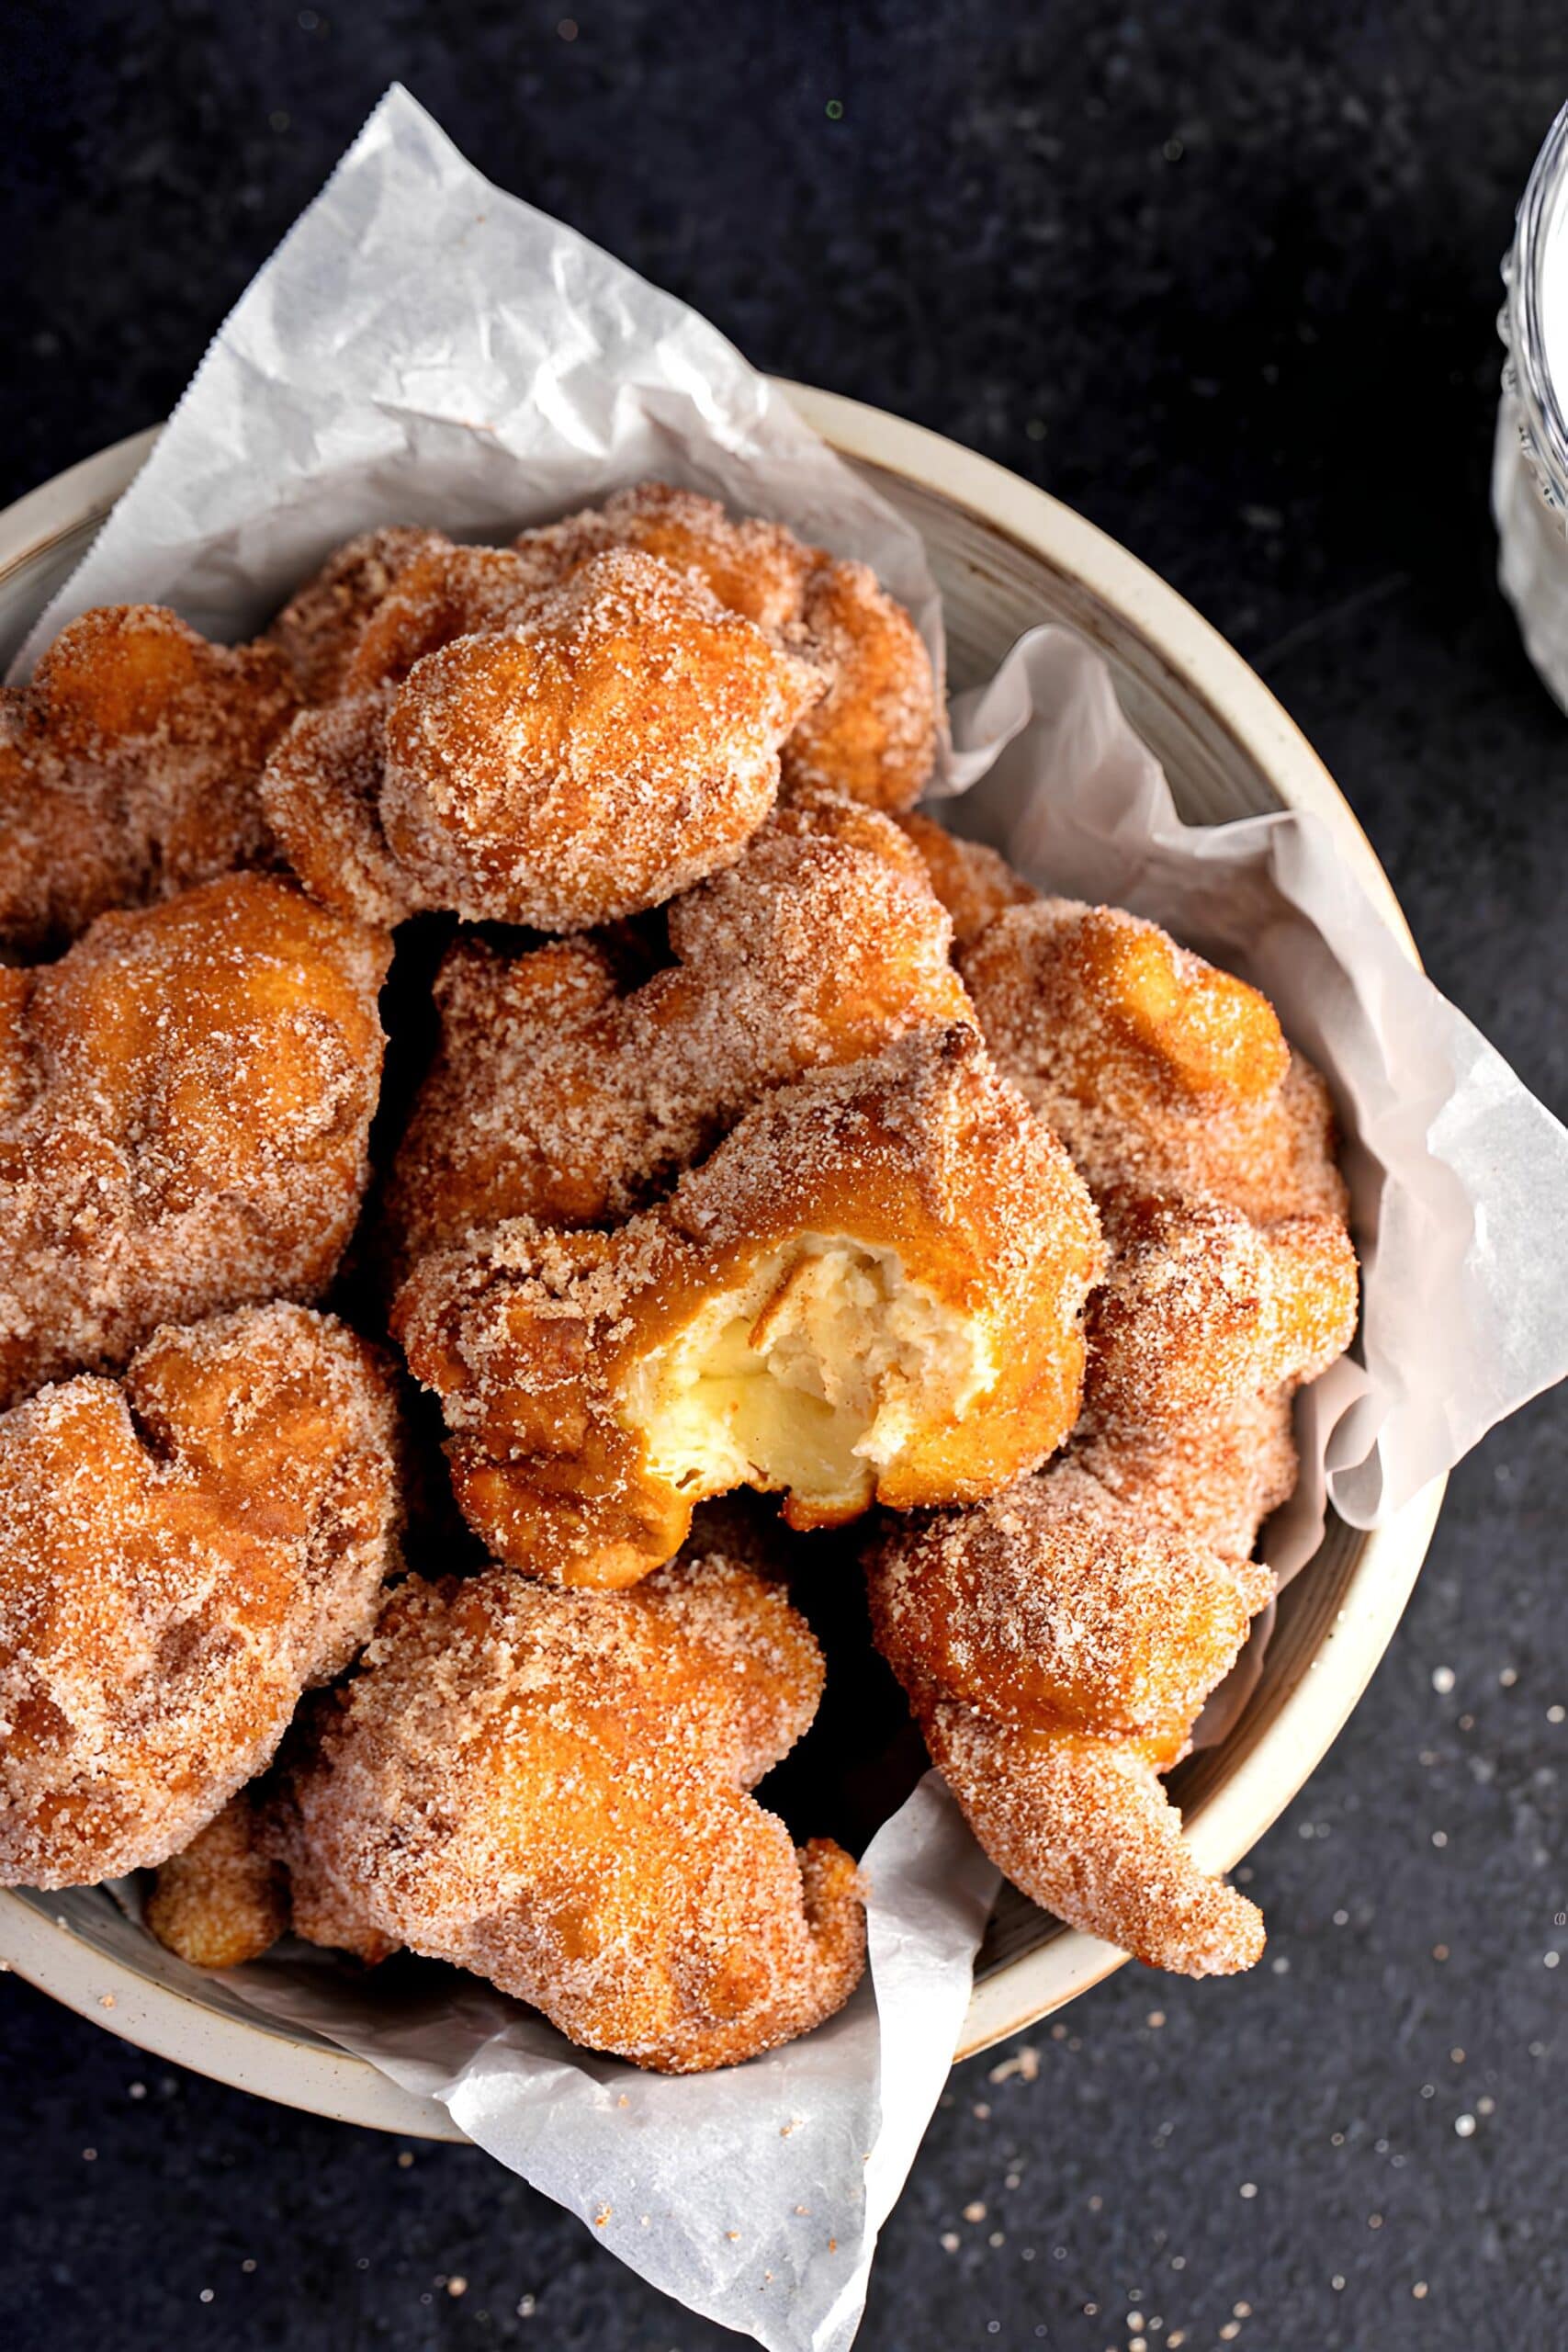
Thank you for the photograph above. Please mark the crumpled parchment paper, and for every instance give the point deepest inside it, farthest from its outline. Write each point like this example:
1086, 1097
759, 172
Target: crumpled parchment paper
423, 348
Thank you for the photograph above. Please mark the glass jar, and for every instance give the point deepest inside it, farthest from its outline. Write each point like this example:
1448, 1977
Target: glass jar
1529, 465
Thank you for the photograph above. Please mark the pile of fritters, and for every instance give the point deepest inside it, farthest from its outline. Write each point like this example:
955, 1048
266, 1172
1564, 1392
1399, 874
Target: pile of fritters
740, 1129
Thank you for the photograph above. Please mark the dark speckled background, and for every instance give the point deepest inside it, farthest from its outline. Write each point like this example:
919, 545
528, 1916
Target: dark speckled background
1225, 276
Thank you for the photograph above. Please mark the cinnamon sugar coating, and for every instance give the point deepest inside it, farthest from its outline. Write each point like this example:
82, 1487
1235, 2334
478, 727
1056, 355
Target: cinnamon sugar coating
129, 769
754, 567
551, 1789
1058, 1644
1059, 1601
1085, 1829
1161, 1074
557, 1094
974, 884
351, 635
322, 791
180, 1553
872, 1290
873, 736
225, 1898
1212, 1478
1201, 1308
1206, 1142
184, 1104
610, 750
562, 762
874, 733
320, 629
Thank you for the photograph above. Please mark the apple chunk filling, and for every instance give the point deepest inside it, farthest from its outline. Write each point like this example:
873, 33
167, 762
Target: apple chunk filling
812, 1376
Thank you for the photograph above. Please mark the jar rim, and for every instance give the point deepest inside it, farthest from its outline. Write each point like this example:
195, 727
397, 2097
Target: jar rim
1545, 192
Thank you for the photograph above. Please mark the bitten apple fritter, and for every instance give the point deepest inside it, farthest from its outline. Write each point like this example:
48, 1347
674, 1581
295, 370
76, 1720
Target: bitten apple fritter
873, 1290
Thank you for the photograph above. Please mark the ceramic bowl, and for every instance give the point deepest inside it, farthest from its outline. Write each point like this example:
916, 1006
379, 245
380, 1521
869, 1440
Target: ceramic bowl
1006, 556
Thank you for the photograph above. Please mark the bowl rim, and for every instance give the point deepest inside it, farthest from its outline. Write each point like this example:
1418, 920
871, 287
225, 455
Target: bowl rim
255, 2053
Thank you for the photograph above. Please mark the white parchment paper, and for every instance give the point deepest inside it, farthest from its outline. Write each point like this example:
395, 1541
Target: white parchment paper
424, 347
756, 2194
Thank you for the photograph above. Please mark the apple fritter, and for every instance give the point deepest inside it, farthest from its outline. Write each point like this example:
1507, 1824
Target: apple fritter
182, 1552
184, 1104
550, 1789
872, 1291
130, 769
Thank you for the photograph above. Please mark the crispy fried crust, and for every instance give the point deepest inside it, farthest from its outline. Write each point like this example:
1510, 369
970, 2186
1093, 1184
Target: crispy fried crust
874, 733
322, 791
225, 1898
974, 884
129, 768
1085, 1829
180, 1553
1058, 1644
550, 1789
1161, 1074
873, 737
1059, 1603
1202, 1309
753, 567
558, 1096
1207, 1144
562, 762
604, 754
320, 629
185, 1104
920, 1166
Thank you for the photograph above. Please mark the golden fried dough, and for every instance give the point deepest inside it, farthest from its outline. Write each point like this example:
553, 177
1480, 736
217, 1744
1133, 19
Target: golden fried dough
385, 600
556, 1095
753, 567
1058, 1640
184, 1103
614, 742
129, 769
872, 1290
974, 884
1058, 1644
873, 734
607, 751
873, 737
1208, 1146
550, 1789
1161, 1074
1211, 1479
1085, 1829
320, 629
180, 1553
225, 1898
1054, 1603
1201, 1309
322, 791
